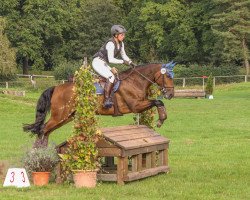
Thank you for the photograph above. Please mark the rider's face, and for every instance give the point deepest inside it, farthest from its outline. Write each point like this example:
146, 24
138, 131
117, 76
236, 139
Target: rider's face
121, 36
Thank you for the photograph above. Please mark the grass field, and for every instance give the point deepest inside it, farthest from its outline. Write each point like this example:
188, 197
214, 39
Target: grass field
209, 150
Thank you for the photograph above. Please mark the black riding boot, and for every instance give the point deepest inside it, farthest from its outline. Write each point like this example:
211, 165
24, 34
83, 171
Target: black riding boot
107, 91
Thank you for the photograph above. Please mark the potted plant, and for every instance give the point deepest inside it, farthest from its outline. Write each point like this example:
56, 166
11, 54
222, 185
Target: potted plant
40, 162
209, 87
80, 157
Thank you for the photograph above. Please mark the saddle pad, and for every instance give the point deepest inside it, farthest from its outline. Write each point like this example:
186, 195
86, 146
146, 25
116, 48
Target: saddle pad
100, 89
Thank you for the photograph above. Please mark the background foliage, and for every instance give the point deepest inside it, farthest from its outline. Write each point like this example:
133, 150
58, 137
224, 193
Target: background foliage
204, 33
7, 55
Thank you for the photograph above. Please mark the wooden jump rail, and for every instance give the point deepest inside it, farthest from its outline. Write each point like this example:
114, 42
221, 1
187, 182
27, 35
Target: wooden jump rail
130, 153
190, 93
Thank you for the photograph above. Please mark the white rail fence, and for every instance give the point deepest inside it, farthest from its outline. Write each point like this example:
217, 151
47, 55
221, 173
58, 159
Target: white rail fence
217, 80
43, 81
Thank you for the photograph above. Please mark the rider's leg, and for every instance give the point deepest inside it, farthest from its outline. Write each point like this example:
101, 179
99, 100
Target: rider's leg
103, 69
108, 103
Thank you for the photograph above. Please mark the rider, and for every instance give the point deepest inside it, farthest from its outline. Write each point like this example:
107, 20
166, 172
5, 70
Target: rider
106, 55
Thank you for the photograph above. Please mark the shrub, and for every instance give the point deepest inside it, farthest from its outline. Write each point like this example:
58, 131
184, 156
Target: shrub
42, 159
66, 70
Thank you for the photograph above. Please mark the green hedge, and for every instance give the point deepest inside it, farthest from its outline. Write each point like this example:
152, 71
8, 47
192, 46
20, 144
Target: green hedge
66, 70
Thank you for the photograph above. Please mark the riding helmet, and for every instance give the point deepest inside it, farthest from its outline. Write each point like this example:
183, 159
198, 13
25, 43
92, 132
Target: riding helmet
117, 29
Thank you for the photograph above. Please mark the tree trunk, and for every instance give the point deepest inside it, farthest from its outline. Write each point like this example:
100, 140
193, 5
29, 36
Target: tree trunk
245, 55
25, 65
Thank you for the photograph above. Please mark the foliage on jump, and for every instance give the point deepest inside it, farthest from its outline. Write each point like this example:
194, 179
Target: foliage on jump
82, 152
147, 117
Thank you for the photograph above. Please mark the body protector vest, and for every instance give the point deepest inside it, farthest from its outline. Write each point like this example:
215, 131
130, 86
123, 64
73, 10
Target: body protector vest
103, 54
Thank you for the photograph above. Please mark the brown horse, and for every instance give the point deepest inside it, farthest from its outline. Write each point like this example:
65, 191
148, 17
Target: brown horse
132, 97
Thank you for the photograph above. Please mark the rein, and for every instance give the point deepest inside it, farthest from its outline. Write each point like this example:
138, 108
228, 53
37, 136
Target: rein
163, 88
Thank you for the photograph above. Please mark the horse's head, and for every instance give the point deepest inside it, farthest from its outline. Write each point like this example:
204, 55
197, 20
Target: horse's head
164, 78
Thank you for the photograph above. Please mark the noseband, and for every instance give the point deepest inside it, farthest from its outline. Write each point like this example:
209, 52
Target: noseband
164, 87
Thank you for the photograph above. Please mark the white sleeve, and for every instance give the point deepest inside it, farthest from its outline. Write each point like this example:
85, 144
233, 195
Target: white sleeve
110, 49
124, 55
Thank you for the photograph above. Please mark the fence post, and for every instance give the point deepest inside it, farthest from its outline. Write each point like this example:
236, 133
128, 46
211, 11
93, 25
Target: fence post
203, 83
245, 78
138, 119
214, 81
7, 85
85, 62
183, 82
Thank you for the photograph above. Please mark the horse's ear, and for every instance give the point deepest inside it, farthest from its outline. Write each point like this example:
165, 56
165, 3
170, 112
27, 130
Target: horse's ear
170, 65
173, 64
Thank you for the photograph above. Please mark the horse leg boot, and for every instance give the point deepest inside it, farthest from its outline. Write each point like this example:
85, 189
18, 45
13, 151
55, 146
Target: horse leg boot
107, 91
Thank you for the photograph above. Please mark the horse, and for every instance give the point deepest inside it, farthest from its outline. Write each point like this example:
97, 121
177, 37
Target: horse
131, 97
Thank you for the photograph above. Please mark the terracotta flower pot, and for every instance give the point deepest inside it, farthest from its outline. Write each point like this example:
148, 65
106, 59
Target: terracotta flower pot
40, 178
85, 178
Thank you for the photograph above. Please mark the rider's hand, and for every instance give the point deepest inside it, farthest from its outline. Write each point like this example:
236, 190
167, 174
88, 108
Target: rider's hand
126, 62
133, 64
114, 70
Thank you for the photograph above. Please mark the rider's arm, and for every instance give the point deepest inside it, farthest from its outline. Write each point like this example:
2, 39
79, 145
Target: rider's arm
124, 55
110, 49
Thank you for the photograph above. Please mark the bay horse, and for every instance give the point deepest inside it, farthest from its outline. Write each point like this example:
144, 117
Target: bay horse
132, 97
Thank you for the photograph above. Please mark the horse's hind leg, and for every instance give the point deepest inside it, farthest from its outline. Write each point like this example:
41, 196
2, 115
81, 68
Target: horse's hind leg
56, 121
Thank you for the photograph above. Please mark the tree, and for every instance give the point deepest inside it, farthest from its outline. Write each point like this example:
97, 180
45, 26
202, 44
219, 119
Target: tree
93, 22
232, 24
36, 29
7, 55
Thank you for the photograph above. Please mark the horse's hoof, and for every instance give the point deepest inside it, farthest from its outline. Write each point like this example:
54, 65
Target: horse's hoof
159, 123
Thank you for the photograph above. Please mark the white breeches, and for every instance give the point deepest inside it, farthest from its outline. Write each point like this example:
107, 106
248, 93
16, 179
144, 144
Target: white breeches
102, 68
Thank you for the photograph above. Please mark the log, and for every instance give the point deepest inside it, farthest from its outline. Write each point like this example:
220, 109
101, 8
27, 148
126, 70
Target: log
189, 93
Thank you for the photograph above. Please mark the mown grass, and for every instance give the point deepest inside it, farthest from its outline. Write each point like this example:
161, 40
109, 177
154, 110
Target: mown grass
208, 155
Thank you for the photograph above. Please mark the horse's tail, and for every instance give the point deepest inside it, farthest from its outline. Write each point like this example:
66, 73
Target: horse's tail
42, 108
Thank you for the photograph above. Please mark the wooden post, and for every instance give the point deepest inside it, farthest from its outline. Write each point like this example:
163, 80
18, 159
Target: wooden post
183, 82
139, 162
214, 81
153, 159
138, 119
120, 170
245, 78
165, 157
134, 163
85, 62
7, 85
161, 157
149, 160
203, 83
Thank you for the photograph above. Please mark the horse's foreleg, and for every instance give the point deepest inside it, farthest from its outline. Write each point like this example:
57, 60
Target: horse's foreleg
141, 106
161, 112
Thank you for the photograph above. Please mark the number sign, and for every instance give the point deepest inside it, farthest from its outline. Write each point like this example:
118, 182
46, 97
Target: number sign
16, 177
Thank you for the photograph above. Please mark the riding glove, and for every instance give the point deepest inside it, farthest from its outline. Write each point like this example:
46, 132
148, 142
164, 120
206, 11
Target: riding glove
127, 62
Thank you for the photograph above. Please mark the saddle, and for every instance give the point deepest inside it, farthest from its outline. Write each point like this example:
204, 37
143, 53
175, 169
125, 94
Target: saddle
100, 84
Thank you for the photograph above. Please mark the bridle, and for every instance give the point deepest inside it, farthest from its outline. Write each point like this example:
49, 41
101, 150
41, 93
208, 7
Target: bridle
162, 88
